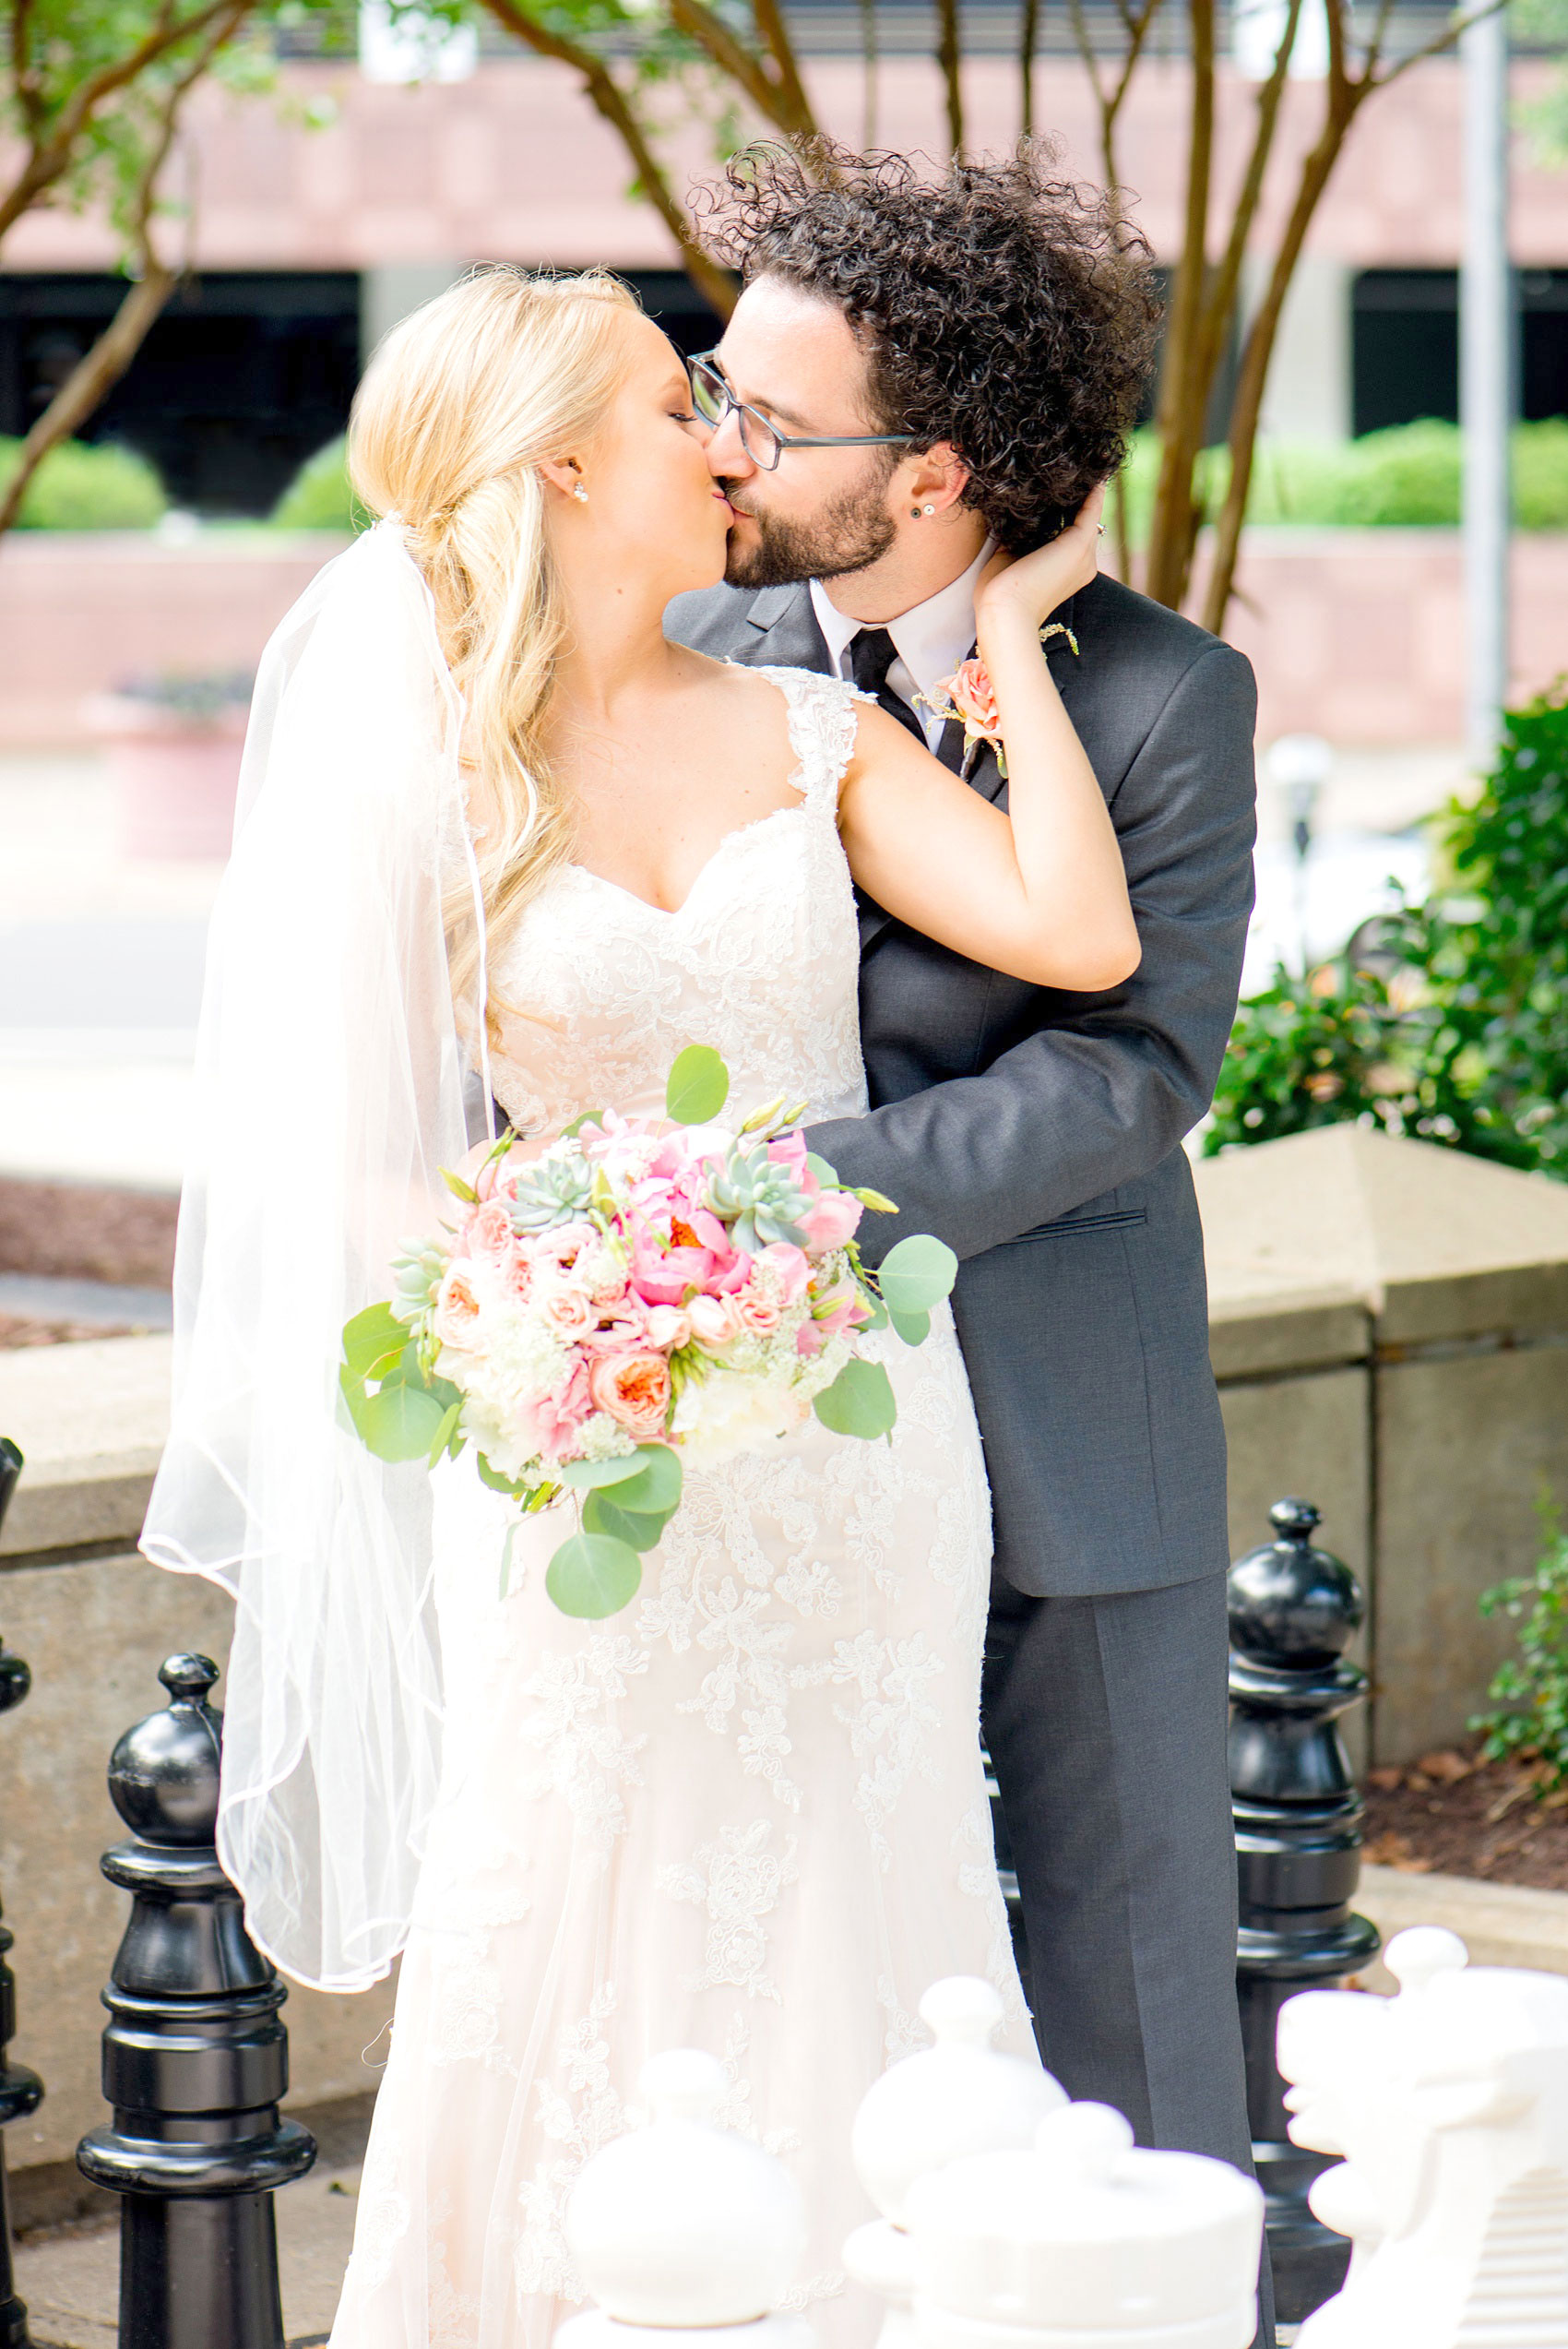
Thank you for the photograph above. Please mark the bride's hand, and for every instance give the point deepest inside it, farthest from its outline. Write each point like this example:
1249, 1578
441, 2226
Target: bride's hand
1034, 586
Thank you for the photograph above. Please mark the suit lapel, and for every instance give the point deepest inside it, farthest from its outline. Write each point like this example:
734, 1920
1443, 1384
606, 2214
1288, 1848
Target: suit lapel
783, 632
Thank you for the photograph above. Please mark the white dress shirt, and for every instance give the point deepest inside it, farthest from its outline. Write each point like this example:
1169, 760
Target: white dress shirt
930, 641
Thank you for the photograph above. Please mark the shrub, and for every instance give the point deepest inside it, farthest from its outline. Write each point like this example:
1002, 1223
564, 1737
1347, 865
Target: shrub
319, 497
83, 487
1540, 476
1460, 1033
1531, 1693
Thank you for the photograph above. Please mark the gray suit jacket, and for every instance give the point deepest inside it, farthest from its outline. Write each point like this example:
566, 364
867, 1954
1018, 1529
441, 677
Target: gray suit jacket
1039, 1132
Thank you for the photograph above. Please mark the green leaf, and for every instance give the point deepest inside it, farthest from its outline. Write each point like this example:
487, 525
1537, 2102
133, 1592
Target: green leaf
459, 1187
637, 1531
586, 1474
588, 1117
918, 1273
913, 1328
512, 1532
826, 1175
370, 1336
655, 1491
496, 1482
859, 1403
446, 1432
400, 1423
698, 1086
593, 1575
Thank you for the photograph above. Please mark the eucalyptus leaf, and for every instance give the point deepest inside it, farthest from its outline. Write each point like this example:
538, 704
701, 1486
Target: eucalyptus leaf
593, 1575
859, 1403
826, 1175
400, 1423
655, 1491
698, 1086
585, 1118
584, 1475
601, 1515
917, 1273
913, 1328
370, 1335
446, 1432
496, 1482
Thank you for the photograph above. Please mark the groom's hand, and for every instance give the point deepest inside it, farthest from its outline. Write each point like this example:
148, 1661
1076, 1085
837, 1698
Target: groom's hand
1031, 587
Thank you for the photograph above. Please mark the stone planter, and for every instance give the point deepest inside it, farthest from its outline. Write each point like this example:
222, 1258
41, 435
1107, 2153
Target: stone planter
174, 778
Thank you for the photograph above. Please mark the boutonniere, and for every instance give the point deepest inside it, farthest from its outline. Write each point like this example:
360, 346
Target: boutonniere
969, 693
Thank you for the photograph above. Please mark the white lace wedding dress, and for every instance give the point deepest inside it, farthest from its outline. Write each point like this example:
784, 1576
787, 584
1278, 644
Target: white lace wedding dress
748, 1813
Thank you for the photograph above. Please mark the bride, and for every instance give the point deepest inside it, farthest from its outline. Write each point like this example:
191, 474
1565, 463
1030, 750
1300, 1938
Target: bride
498, 838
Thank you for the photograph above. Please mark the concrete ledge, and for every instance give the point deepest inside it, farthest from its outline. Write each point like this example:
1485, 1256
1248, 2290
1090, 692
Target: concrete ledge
1502, 1925
90, 1419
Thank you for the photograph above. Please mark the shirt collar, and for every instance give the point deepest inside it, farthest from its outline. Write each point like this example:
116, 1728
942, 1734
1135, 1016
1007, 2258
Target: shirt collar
931, 640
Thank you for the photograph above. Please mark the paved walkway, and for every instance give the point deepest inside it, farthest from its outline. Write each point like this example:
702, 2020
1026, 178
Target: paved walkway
100, 958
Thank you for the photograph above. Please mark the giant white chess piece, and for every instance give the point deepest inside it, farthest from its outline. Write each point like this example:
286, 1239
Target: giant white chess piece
1450, 2104
686, 2235
1087, 2242
960, 2096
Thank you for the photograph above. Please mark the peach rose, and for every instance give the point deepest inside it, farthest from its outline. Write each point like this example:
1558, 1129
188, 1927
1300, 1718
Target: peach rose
517, 1273
973, 696
834, 1219
716, 1322
633, 1389
759, 1314
487, 1234
569, 1312
457, 1307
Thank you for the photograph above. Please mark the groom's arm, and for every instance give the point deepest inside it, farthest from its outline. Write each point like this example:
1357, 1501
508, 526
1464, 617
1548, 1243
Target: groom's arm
1098, 1098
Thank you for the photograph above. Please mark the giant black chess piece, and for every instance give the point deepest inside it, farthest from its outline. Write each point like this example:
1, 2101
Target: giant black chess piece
1294, 1609
194, 2054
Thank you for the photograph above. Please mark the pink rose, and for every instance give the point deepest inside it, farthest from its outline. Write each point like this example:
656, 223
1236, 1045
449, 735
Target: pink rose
668, 1328
633, 1389
568, 1311
716, 1322
518, 1272
487, 1232
759, 1314
970, 691
618, 1332
560, 1250
791, 1265
834, 1217
457, 1307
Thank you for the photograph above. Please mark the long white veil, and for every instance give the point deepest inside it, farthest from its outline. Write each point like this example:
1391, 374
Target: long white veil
332, 1090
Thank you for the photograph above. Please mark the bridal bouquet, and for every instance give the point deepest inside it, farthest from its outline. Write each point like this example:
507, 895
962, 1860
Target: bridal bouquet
641, 1294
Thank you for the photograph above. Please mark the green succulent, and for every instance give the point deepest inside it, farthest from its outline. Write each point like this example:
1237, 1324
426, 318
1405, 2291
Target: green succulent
552, 1191
765, 1204
417, 1276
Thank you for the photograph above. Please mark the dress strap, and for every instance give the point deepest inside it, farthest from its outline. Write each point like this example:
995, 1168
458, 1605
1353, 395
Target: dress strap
824, 716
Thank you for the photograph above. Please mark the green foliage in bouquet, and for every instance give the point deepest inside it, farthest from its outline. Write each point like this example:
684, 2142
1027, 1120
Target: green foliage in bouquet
1530, 1691
1460, 1034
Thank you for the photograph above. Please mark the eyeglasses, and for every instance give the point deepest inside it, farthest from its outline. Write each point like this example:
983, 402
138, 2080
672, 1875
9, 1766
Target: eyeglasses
763, 442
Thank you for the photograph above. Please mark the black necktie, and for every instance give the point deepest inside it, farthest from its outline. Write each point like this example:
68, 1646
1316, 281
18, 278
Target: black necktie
872, 654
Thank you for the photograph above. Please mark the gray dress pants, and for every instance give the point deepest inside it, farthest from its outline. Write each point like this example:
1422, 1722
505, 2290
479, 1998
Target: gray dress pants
1105, 1720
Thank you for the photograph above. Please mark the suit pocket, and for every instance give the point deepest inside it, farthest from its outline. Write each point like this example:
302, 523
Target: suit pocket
1115, 1219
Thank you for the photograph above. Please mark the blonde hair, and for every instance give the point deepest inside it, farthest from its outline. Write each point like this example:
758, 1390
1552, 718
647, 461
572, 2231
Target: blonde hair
458, 409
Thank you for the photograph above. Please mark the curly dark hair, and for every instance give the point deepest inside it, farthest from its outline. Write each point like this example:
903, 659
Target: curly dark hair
1007, 311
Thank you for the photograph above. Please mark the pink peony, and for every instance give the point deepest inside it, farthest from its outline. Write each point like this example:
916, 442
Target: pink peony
790, 1149
457, 1307
716, 1322
834, 1217
558, 1251
633, 1389
700, 1256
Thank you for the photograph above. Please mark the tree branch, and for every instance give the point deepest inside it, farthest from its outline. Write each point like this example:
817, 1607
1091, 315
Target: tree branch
1220, 303
700, 23
949, 57
609, 99
775, 31
1174, 526
1028, 36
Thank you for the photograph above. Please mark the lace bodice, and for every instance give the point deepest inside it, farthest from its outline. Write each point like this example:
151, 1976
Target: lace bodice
761, 962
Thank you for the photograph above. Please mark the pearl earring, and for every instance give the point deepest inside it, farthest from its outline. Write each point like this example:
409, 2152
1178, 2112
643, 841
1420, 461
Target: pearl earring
579, 491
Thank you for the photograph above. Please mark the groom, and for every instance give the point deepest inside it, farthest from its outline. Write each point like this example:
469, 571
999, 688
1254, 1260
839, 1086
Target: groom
913, 374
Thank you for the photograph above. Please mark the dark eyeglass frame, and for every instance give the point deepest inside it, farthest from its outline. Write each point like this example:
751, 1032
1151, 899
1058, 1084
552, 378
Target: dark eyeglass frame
715, 385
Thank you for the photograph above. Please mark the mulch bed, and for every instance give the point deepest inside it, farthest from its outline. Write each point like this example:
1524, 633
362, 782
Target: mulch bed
82, 1232
1456, 1814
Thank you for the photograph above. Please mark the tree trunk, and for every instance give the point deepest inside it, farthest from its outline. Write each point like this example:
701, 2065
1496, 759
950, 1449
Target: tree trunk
949, 57
1182, 395
89, 382
1028, 36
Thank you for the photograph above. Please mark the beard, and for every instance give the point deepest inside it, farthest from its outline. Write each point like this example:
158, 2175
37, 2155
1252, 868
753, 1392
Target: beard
849, 535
